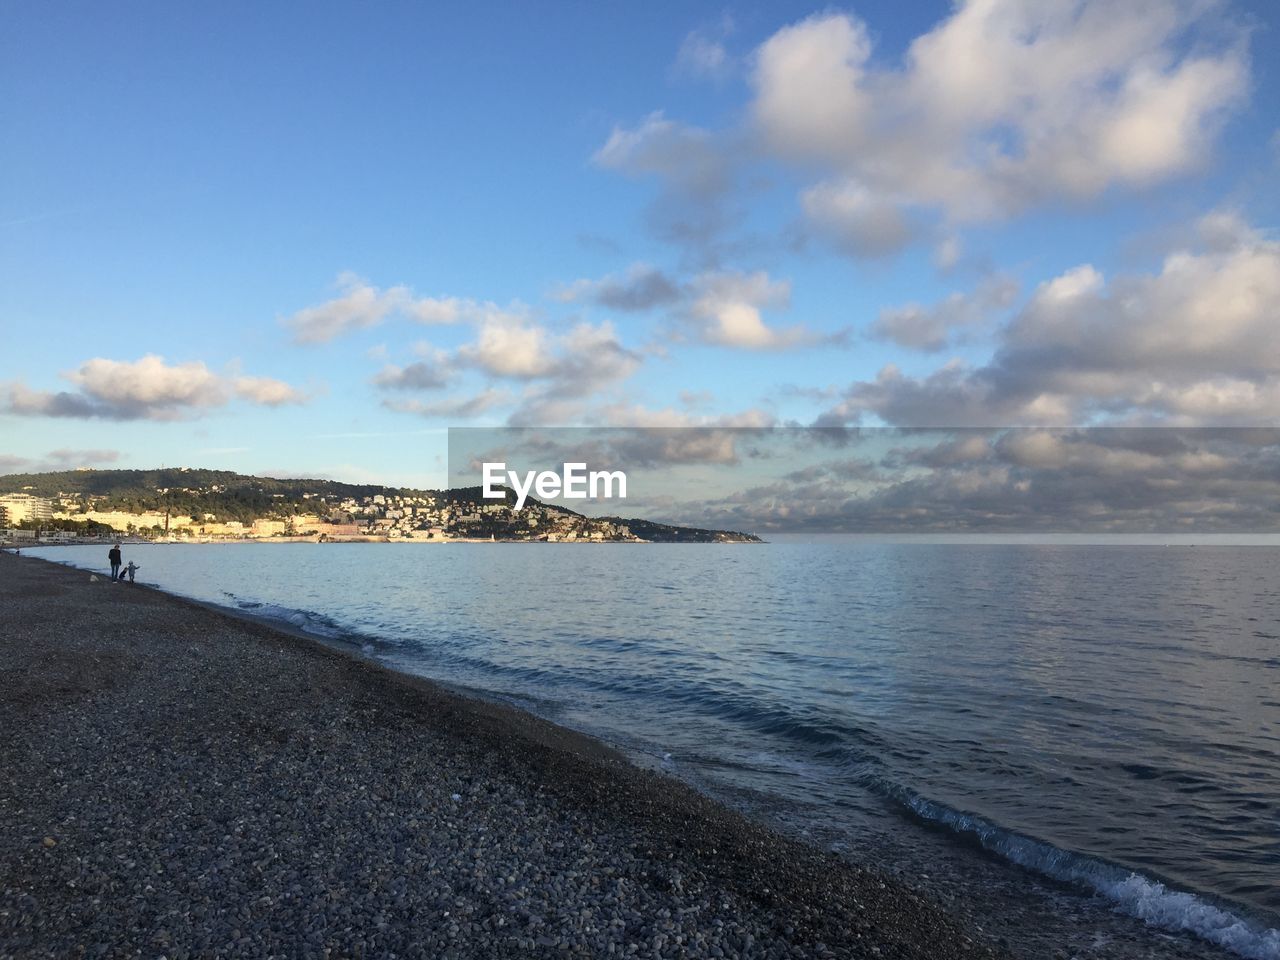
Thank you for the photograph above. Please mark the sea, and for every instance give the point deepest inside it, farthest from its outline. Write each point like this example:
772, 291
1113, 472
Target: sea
1097, 721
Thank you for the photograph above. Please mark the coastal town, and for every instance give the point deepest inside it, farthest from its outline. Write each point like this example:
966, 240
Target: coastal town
188, 505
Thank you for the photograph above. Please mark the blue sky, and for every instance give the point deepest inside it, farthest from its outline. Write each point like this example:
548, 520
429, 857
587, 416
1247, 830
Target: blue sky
672, 214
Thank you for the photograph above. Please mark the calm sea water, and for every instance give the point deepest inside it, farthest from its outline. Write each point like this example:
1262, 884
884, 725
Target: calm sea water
1106, 715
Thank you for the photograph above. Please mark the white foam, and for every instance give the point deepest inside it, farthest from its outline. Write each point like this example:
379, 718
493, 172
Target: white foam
1174, 910
1139, 896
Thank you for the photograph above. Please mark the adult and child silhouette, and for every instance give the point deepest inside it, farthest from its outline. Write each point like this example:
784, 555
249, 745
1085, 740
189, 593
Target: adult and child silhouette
117, 574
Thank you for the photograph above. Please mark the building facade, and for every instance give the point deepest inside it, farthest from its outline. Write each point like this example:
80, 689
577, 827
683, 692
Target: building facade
21, 507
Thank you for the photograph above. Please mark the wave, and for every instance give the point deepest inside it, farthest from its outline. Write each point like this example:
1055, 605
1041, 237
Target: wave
1142, 897
308, 621
1139, 896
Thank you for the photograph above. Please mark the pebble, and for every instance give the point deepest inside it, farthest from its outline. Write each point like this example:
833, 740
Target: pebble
226, 790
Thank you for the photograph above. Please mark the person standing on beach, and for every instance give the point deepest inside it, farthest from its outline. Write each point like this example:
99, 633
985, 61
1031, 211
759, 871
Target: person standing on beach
114, 556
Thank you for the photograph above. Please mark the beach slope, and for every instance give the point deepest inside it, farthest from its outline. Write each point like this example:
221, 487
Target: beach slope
178, 782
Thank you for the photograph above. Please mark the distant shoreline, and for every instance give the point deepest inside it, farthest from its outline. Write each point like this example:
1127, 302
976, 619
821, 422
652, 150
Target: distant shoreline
41, 544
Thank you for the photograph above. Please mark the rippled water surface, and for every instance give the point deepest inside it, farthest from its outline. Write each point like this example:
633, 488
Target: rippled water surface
1108, 715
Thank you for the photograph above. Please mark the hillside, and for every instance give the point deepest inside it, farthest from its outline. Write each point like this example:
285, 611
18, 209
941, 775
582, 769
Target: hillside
194, 502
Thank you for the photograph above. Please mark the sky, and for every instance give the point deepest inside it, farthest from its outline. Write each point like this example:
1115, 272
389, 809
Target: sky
307, 243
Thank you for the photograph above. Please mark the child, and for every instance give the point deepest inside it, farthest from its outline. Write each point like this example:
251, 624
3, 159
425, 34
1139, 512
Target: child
130, 569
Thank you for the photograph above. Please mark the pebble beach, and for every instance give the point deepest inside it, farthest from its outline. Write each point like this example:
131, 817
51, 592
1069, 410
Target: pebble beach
177, 782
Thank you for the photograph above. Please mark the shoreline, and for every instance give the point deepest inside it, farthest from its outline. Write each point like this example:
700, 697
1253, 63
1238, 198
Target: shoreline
338, 541
191, 782
1025, 912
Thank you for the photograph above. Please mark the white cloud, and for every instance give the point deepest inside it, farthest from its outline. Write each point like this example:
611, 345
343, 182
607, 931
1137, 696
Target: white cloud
1005, 103
448, 310
558, 370
149, 384
267, 391
855, 220
145, 389
362, 305
722, 308
429, 374
453, 408
1193, 343
695, 170
811, 96
726, 310
509, 348
937, 326
641, 287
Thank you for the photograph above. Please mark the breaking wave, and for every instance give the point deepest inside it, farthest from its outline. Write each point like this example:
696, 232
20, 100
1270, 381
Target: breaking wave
1139, 896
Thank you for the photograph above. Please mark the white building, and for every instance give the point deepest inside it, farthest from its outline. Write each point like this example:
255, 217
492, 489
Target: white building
21, 507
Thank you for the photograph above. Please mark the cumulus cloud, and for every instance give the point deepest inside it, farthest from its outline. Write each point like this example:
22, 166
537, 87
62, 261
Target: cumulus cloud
634, 415
419, 375
726, 309
453, 408
363, 305
629, 436
696, 173
359, 306
145, 389
641, 287
658, 146
1192, 343
1002, 105
1101, 480
723, 308
267, 391
936, 326
856, 221
517, 349
149, 385
554, 369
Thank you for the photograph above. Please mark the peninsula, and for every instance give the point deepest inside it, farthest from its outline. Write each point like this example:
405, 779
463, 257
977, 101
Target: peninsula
186, 504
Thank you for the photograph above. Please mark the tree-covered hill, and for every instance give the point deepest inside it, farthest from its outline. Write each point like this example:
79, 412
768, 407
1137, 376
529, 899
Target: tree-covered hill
227, 495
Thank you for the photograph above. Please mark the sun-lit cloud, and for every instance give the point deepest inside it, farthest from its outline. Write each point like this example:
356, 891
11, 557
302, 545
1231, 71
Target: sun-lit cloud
359, 306
267, 391
727, 309
145, 389
363, 305
1003, 104
1192, 343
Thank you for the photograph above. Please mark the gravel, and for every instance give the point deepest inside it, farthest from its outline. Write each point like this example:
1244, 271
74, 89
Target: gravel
176, 782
